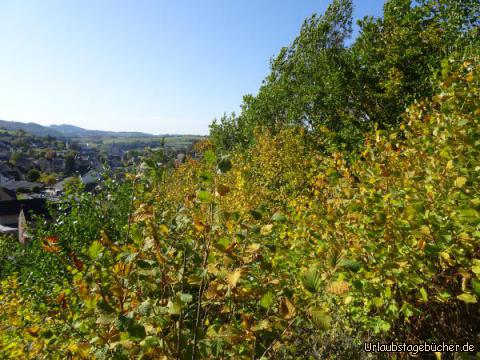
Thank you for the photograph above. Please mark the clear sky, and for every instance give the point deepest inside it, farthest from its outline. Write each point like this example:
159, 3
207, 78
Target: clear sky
147, 65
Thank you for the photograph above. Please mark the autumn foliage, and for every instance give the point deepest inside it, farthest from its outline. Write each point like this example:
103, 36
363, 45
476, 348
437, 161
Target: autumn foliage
294, 244
278, 252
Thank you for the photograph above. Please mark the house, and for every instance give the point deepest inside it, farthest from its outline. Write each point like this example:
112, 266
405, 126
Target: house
8, 173
10, 210
43, 164
4, 178
4, 155
6, 195
91, 177
60, 186
58, 164
24, 164
22, 186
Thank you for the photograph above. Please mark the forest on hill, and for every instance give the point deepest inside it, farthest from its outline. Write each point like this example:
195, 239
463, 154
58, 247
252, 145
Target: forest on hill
340, 206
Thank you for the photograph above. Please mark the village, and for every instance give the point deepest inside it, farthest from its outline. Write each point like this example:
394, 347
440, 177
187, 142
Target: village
36, 170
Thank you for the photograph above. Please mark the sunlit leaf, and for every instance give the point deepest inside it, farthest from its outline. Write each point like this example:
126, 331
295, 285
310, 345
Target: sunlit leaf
233, 277
267, 300
95, 249
467, 298
312, 280
279, 217
204, 196
320, 318
286, 309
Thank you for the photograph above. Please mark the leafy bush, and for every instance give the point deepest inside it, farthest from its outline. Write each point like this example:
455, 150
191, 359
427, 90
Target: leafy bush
280, 251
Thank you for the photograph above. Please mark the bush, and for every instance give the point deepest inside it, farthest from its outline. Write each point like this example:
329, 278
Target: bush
280, 251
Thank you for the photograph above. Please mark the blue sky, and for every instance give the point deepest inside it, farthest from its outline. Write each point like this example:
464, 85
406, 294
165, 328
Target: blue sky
147, 65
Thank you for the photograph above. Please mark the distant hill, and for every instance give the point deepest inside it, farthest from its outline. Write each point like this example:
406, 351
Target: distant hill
75, 131
62, 131
31, 128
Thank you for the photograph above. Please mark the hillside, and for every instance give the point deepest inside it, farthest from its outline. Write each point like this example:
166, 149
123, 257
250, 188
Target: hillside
75, 131
63, 131
32, 128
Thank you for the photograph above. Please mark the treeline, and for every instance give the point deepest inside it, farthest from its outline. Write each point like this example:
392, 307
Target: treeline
340, 206
337, 92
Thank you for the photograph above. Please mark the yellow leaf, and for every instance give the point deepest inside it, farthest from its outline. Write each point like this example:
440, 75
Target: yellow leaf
445, 256
266, 229
338, 287
212, 269
425, 230
460, 181
33, 330
160, 258
286, 309
253, 248
262, 325
233, 278
199, 225
247, 321
421, 244
163, 229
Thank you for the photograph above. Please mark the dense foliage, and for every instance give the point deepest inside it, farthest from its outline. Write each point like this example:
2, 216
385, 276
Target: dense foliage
291, 247
320, 83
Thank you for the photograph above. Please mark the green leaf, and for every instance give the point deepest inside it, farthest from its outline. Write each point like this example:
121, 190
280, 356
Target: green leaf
206, 176
467, 298
104, 306
122, 322
469, 215
407, 310
149, 342
279, 217
476, 267
210, 157
186, 298
382, 326
424, 294
351, 265
95, 249
106, 319
378, 302
145, 308
256, 214
320, 319
145, 264
312, 281
444, 295
224, 165
137, 331
223, 243
174, 306
205, 196
476, 286
267, 300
